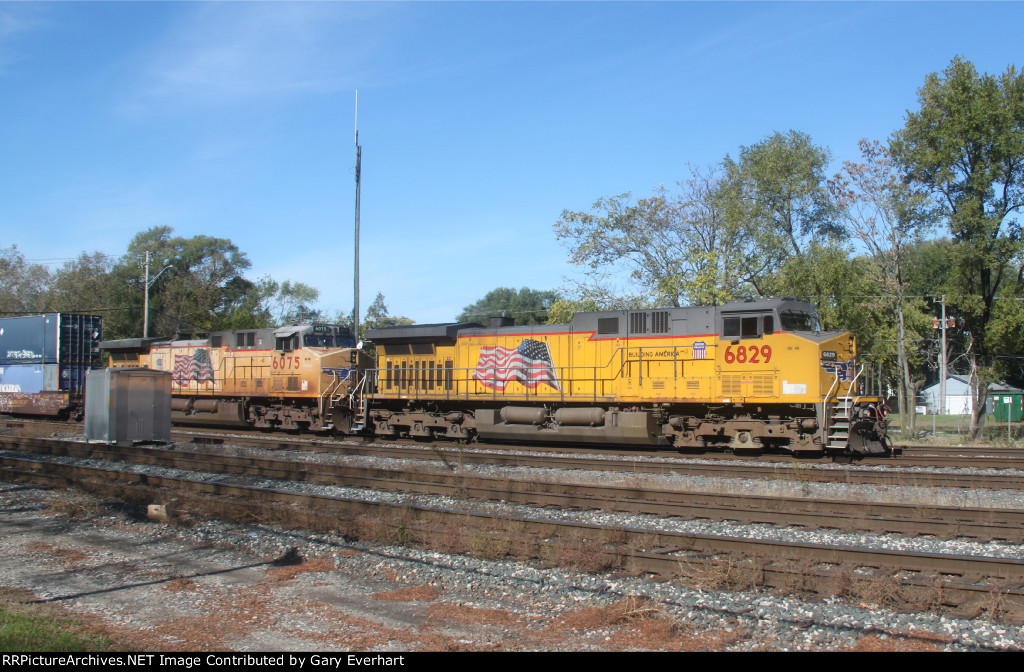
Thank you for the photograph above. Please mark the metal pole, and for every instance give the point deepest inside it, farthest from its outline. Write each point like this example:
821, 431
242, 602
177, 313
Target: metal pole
359, 161
145, 303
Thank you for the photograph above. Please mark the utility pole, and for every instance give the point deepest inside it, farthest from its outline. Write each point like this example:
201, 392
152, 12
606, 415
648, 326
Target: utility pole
359, 162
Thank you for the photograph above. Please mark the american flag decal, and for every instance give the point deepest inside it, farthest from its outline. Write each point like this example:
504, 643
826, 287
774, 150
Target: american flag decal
530, 364
197, 367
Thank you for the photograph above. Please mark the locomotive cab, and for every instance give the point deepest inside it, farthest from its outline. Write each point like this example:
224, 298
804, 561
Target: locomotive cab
755, 319
820, 369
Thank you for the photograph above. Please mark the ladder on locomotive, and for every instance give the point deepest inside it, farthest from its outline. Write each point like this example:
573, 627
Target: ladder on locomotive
333, 394
355, 400
839, 415
359, 403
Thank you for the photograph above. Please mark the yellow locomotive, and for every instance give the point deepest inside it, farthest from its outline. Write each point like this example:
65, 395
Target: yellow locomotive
748, 375
293, 377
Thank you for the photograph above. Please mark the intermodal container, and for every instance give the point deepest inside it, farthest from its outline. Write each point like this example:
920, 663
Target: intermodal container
53, 338
25, 378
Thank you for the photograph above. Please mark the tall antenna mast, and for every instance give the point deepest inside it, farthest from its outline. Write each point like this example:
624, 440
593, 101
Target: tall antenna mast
359, 162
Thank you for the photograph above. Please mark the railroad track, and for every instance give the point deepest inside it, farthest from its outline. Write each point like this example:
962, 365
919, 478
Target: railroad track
932, 472
927, 578
985, 524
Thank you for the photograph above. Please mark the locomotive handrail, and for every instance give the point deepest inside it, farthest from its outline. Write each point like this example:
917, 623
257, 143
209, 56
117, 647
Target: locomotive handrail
335, 384
327, 397
835, 383
849, 396
356, 391
463, 377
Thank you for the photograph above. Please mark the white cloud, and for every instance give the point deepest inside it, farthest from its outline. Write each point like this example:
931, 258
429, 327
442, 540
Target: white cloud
229, 53
15, 20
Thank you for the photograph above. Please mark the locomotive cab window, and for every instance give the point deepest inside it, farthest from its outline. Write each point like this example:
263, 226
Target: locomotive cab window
287, 343
318, 341
745, 326
793, 320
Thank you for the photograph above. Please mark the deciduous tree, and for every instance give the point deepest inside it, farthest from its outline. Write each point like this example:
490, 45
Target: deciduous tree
377, 316
775, 200
888, 217
526, 306
675, 248
965, 145
23, 284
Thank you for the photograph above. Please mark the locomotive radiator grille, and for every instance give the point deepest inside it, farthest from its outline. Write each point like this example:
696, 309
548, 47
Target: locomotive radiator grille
764, 385
761, 384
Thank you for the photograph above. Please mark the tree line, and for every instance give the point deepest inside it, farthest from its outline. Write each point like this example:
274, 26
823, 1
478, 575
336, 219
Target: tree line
196, 285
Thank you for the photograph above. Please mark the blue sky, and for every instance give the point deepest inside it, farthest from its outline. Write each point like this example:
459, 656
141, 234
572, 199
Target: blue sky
480, 121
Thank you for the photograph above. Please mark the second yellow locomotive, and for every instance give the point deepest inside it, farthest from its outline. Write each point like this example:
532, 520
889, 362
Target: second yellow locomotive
292, 377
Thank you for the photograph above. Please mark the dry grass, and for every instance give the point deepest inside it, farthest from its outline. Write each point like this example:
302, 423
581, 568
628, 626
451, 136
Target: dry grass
488, 544
74, 505
68, 556
634, 623
893, 644
590, 556
413, 594
458, 613
723, 573
883, 592
451, 539
181, 585
289, 572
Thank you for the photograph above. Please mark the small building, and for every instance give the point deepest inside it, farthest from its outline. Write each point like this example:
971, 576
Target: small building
958, 397
959, 400
1008, 404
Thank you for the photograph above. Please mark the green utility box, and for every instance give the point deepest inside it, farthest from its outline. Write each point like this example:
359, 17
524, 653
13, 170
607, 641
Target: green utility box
1008, 406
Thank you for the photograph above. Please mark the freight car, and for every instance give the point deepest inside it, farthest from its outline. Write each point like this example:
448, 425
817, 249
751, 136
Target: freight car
44, 360
748, 375
296, 377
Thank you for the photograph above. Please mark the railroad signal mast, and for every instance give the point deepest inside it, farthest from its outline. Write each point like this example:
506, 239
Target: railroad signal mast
943, 323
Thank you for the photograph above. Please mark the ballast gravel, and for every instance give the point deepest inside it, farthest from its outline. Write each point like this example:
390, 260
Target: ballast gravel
920, 544
214, 585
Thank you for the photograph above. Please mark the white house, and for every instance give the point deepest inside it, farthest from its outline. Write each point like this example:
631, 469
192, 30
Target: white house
958, 396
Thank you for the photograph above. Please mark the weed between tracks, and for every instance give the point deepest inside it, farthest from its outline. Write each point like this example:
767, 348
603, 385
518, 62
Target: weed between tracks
723, 573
